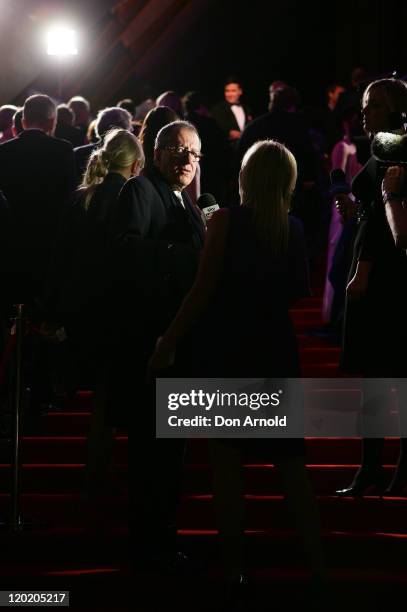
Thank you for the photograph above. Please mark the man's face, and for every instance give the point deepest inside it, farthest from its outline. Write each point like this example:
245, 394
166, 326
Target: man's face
178, 167
334, 94
233, 91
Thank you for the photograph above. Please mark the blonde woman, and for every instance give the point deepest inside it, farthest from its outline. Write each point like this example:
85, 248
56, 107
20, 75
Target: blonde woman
109, 167
235, 322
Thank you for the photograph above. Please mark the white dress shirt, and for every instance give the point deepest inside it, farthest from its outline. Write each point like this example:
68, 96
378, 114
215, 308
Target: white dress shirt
239, 113
178, 195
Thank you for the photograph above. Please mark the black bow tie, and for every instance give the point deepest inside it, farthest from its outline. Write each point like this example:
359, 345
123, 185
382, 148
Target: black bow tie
234, 104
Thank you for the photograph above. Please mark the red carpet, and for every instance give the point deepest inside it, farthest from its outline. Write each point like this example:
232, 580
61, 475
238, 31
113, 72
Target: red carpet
68, 546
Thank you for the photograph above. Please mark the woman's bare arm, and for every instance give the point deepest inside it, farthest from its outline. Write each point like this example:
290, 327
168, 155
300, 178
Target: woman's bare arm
198, 298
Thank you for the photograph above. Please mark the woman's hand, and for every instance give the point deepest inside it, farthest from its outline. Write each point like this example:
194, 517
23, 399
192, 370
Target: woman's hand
345, 206
162, 358
392, 182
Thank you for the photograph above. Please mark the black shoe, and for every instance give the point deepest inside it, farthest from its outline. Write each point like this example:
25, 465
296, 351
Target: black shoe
366, 482
236, 594
398, 485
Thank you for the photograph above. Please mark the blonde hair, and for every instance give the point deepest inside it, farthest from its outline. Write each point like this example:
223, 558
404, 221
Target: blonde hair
120, 150
266, 182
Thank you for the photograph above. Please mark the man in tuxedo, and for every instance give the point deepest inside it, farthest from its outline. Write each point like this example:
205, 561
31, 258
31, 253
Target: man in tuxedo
232, 116
159, 234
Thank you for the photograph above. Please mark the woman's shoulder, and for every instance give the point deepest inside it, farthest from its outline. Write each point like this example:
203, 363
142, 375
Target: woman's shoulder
219, 220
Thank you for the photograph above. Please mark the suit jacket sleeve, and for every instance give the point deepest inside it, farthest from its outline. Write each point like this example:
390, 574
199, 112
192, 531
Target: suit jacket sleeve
133, 212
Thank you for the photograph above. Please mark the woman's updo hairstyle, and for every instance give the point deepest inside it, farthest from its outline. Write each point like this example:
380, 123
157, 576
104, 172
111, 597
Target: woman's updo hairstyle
120, 150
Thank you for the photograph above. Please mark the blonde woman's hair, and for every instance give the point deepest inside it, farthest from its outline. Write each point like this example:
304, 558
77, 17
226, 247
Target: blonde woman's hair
266, 182
395, 91
120, 150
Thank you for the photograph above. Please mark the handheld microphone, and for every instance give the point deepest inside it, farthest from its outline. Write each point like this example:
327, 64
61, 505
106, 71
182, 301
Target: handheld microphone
390, 149
339, 183
207, 203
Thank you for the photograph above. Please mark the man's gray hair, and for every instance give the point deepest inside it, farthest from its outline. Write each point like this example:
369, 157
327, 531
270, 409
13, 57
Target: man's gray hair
38, 109
112, 117
79, 101
166, 134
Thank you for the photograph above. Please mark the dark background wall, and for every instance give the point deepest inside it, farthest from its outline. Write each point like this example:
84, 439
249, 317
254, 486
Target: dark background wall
308, 44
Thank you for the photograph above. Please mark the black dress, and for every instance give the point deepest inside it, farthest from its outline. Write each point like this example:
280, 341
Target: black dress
247, 330
375, 334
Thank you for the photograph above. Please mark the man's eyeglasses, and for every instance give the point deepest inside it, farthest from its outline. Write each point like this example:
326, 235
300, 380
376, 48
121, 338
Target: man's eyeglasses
180, 151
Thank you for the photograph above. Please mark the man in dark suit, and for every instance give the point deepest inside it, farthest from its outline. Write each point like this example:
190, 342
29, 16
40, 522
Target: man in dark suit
159, 234
37, 177
232, 116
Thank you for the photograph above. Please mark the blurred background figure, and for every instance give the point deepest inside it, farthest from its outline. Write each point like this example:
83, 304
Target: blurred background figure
344, 157
81, 108
333, 92
155, 119
214, 145
128, 105
172, 100
231, 115
18, 122
107, 119
65, 126
7, 112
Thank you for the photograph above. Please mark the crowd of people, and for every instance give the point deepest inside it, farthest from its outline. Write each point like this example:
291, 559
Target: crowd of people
124, 276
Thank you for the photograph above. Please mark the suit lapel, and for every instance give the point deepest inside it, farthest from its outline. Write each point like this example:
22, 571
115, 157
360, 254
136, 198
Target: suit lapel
169, 200
194, 216
163, 189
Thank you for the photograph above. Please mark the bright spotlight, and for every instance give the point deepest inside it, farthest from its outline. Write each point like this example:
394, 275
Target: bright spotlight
62, 42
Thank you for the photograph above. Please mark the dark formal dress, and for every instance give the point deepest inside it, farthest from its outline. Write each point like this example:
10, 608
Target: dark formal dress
251, 304
247, 332
375, 334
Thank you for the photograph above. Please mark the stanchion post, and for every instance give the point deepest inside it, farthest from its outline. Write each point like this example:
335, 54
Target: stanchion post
15, 518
